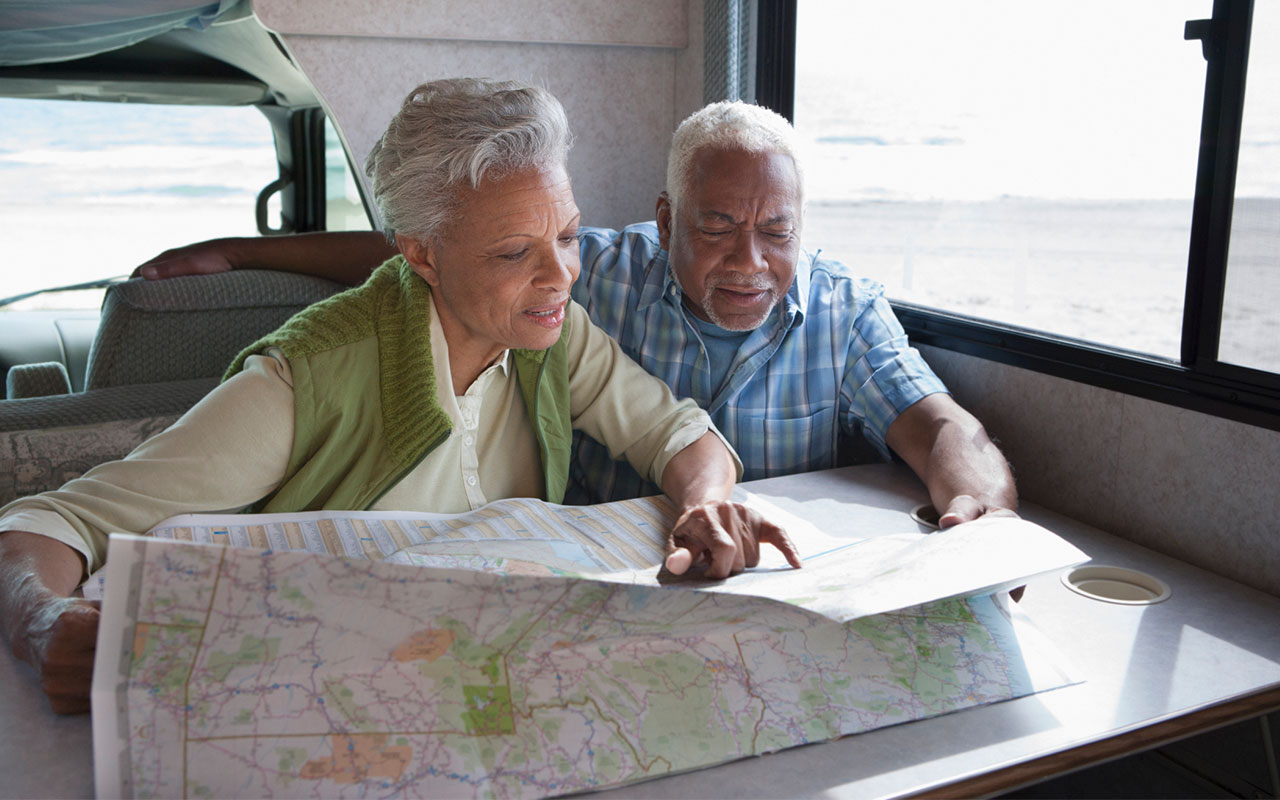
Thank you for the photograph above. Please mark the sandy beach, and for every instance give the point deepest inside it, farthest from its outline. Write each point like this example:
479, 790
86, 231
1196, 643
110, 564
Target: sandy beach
1110, 271
44, 245
1107, 271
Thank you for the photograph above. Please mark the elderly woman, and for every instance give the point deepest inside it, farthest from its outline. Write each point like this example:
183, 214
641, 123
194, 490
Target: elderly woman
451, 378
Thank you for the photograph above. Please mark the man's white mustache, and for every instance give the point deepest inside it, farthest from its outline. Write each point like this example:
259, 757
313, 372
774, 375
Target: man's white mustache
742, 282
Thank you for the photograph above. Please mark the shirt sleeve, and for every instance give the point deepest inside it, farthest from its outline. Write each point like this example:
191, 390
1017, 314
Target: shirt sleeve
614, 401
230, 450
884, 375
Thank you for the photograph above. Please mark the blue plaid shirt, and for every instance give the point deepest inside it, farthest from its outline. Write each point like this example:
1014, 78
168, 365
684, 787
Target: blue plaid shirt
830, 362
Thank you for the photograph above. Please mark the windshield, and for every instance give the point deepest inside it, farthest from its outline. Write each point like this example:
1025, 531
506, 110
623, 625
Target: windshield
89, 190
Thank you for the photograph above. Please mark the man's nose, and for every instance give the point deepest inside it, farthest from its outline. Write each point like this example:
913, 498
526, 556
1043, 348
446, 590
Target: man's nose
747, 256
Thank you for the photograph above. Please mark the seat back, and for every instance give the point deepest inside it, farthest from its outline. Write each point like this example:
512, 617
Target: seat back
36, 380
192, 327
162, 346
47, 441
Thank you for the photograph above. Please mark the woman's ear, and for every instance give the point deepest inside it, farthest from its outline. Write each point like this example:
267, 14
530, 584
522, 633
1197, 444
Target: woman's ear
421, 257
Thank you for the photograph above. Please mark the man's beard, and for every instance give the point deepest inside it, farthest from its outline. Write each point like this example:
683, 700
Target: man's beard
739, 323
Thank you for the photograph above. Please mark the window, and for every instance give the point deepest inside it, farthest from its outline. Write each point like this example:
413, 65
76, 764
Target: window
1027, 163
344, 207
1251, 306
1051, 184
90, 190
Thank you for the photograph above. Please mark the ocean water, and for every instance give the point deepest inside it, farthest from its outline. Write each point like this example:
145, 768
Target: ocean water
89, 190
90, 151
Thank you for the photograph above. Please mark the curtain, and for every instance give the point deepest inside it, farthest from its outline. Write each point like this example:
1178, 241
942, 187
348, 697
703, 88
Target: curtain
41, 31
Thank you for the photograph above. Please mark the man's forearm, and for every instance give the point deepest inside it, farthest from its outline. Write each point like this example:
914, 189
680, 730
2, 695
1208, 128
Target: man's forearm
346, 257
964, 461
953, 455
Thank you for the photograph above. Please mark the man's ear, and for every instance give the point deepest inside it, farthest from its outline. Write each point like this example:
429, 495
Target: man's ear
421, 257
664, 221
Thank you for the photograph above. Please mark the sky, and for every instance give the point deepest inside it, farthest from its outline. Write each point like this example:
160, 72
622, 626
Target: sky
1087, 99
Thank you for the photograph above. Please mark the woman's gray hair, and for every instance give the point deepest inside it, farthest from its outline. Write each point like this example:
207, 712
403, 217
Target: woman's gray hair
728, 125
450, 134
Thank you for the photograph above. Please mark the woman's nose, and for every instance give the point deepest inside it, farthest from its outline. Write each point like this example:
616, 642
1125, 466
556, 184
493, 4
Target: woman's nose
558, 270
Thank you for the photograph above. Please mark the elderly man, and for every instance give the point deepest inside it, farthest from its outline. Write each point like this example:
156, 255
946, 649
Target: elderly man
791, 354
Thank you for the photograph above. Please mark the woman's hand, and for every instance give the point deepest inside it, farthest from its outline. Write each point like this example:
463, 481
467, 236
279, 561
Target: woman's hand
726, 537
711, 529
58, 640
46, 628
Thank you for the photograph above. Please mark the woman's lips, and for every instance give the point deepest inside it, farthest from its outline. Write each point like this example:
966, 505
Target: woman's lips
547, 316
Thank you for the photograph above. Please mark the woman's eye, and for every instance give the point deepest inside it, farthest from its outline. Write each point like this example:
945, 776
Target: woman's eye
570, 239
516, 256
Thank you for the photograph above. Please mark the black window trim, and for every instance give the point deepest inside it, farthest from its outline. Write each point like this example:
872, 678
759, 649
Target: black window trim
307, 128
1200, 382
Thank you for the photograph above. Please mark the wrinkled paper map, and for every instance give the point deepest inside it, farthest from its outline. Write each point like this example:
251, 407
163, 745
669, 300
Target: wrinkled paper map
528, 649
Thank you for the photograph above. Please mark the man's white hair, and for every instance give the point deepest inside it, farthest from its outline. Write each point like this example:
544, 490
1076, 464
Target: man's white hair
728, 125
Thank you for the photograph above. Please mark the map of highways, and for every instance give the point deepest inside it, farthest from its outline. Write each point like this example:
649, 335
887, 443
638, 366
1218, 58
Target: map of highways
238, 672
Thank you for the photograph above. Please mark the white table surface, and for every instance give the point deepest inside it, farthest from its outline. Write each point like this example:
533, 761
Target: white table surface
1206, 656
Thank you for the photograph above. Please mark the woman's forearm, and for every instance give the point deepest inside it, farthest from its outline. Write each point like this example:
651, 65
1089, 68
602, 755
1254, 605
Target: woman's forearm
701, 473
52, 632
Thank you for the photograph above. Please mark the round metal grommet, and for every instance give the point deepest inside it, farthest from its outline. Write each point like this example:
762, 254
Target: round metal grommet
1116, 585
926, 515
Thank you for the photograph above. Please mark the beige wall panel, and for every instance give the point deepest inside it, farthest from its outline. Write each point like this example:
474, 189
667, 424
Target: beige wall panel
1190, 485
619, 102
653, 23
1059, 460
1201, 488
689, 65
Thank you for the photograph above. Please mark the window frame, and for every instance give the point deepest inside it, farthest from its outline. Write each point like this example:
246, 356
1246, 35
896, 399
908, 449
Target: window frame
301, 160
1200, 382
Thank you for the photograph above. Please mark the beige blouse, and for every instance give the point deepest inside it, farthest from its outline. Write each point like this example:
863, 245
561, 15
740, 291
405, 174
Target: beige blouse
232, 448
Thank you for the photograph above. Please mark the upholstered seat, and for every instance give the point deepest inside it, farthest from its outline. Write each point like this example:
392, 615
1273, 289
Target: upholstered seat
161, 346
192, 327
37, 380
46, 441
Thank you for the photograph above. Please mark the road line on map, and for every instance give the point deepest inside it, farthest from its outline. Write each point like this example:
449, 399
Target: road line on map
535, 622
327, 734
506, 654
755, 734
704, 599
186, 684
617, 727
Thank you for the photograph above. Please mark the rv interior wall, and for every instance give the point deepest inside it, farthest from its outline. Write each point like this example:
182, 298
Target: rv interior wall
626, 79
1193, 486
1196, 487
